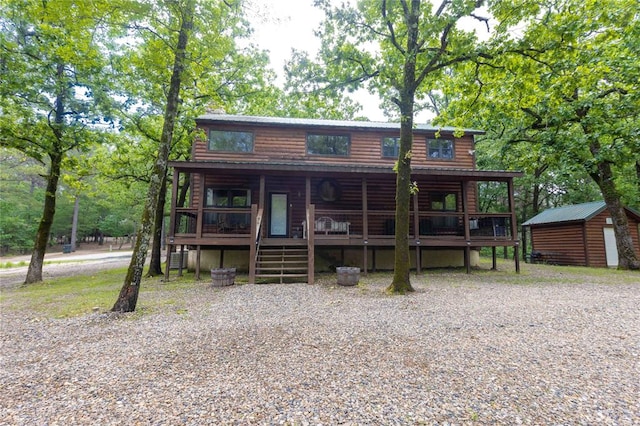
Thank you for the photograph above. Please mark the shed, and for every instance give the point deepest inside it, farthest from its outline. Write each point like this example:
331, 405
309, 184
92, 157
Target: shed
580, 235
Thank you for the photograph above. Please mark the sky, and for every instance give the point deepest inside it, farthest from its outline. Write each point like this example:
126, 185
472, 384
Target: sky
282, 25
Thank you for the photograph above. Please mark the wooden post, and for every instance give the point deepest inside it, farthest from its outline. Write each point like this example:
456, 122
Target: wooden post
365, 226
493, 258
262, 195
200, 218
416, 232
198, 253
252, 242
465, 220
181, 257
311, 215
514, 225
172, 222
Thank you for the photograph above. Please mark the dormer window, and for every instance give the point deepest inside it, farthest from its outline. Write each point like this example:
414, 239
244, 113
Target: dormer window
330, 145
440, 149
230, 141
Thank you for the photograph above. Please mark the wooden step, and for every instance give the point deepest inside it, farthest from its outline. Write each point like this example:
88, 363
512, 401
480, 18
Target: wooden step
282, 263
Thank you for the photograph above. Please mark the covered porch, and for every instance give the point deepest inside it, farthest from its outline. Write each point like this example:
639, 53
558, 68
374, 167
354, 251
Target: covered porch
227, 206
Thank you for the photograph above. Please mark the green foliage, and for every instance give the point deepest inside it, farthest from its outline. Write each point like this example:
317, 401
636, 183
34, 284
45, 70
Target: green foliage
559, 98
21, 194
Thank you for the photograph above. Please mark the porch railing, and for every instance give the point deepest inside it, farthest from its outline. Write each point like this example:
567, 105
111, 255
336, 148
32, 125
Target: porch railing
336, 224
214, 221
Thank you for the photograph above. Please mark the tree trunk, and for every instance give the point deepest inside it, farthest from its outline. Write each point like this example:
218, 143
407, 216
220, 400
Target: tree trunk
402, 264
128, 296
401, 282
74, 223
155, 263
34, 273
627, 258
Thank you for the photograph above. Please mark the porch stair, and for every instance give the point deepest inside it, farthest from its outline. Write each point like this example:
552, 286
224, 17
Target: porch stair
280, 263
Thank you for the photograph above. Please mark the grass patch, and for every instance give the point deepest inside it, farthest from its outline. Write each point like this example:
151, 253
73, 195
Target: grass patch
8, 265
82, 294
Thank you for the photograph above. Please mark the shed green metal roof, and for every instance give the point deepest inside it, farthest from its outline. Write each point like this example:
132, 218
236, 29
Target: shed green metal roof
576, 212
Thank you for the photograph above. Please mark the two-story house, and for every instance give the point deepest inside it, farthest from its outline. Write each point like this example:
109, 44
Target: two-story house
284, 197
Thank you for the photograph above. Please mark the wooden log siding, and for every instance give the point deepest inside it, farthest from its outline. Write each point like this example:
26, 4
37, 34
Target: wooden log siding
381, 197
289, 144
561, 244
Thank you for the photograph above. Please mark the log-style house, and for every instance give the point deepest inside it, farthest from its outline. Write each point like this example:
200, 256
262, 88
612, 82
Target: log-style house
283, 198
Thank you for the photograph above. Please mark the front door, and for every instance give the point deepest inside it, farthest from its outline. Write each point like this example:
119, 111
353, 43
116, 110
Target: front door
278, 215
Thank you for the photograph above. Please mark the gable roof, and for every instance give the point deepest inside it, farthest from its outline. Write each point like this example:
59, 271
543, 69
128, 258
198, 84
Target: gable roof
576, 212
326, 124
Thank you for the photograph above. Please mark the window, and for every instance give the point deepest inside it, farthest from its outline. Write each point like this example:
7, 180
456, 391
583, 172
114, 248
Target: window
447, 202
441, 201
440, 148
390, 147
231, 141
231, 198
228, 198
334, 145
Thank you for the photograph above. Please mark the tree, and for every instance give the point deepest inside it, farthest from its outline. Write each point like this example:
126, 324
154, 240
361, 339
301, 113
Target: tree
128, 296
51, 61
567, 88
218, 75
401, 48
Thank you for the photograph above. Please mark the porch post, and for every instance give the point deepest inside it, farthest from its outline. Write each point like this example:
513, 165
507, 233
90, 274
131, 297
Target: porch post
416, 232
365, 225
261, 196
494, 266
199, 220
514, 227
465, 221
172, 221
198, 253
253, 243
311, 214
181, 257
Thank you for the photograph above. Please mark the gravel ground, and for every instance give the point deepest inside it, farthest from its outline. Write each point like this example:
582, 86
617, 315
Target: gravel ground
486, 348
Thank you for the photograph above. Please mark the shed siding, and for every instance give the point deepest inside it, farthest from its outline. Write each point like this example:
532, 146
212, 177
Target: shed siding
562, 244
289, 144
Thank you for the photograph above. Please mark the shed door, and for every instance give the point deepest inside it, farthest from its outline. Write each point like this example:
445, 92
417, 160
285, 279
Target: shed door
610, 248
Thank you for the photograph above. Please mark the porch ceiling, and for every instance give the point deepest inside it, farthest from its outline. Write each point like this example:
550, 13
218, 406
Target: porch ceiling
311, 169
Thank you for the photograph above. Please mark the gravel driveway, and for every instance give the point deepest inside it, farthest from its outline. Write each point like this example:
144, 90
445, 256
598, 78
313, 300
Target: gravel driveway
486, 348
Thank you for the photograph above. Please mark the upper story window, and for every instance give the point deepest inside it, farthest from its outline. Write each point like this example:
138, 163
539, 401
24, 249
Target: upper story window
390, 147
333, 145
230, 141
440, 149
